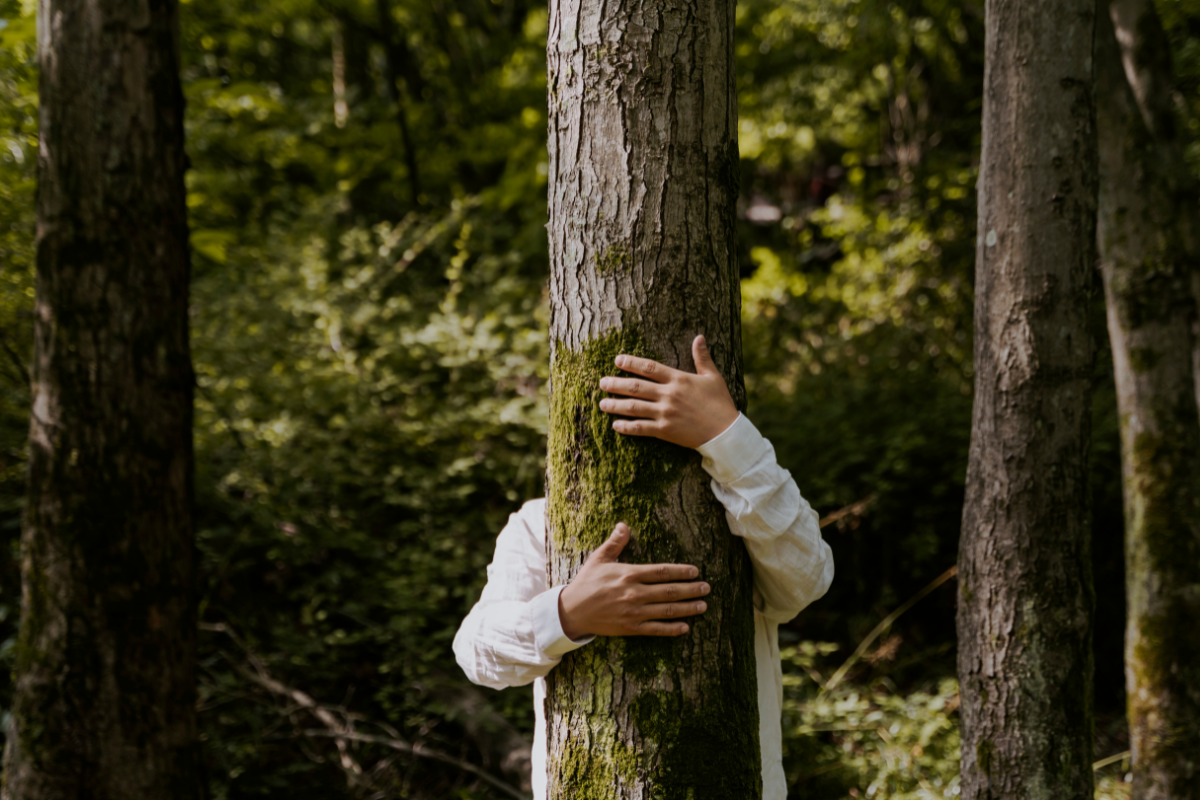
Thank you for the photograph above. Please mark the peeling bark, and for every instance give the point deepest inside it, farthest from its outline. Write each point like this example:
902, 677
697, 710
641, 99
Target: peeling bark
643, 185
104, 701
1148, 260
1025, 589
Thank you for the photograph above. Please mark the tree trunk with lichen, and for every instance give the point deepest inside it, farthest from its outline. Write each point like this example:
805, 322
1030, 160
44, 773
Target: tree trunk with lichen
104, 703
1025, 589
1147, 236
643, 185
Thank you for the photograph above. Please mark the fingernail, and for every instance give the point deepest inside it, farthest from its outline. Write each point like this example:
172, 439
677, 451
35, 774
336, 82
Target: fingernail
693, 572
604, 383
701, 607
604, 405
704, 588
620, 361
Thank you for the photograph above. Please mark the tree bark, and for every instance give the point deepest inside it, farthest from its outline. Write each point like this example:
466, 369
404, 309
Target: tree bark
643, 186
393, 60
105, 687
1148, 260
1025, 589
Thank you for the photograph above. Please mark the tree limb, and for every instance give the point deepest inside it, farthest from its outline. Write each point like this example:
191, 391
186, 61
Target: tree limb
341, 730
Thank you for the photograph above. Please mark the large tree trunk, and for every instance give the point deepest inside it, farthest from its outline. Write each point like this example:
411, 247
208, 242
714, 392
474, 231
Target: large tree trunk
1149, 256
1025, 589
105, 689
643, 166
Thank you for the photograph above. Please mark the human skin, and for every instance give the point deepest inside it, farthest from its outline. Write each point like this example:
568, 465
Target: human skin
608, 598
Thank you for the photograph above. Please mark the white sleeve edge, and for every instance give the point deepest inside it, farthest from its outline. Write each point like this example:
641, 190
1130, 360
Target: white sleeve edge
548, 632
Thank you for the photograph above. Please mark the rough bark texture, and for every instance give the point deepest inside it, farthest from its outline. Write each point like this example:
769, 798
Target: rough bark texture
643, 159
105, 688
1025, 589
1148, 259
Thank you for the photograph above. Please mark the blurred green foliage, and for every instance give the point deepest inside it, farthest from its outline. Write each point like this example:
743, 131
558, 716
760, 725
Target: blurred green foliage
371, 365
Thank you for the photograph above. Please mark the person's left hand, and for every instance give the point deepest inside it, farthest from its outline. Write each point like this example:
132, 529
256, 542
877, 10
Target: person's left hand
670, 404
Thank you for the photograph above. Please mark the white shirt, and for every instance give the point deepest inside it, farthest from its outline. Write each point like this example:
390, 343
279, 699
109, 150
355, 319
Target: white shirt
513, 635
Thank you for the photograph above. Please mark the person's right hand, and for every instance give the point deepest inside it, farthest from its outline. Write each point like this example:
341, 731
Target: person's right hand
612, 599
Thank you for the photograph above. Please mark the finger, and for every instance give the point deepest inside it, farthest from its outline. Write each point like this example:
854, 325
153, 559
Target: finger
612, 547
636, 427
672, 610
645, 367
703, 358
662, 573
655, 628
630, 408
673, 592
647, 390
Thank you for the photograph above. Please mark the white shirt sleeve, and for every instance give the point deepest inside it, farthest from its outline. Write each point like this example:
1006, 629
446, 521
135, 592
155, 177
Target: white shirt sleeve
793, 566
513, 634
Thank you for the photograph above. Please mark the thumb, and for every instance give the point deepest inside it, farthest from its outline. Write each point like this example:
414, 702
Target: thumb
703, 358
611, 549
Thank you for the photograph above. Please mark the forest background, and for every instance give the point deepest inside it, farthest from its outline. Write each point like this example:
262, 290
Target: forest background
369, 336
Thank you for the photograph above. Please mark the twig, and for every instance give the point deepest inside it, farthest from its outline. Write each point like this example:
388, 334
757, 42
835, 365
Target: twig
852, 510
424, 752
885, 624
1104, 762
16, 359
343, 731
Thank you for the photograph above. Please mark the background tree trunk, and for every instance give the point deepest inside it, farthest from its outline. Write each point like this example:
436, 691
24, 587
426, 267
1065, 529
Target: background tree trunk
643, 186
105, 685
1148, 252
1025, 588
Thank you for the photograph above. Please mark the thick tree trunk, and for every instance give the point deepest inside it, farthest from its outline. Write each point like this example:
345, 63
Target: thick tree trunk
1148, 258
643, 161
105, 686
1025, 588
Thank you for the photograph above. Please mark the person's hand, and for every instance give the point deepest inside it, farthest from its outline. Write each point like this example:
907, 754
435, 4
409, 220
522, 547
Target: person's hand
670, 404
611, 599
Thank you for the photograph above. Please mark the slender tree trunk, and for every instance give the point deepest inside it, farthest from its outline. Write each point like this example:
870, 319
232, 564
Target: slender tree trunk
105, 687
1148, 261
643, 161
1025, 587
392, 64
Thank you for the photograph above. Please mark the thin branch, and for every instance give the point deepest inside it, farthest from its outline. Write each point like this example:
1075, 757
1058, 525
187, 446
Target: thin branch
342, 730
16, 359
885, 624
852, 510
1104, 762
424, 752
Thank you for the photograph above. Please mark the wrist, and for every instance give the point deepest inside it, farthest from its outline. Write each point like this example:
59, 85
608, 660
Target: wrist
570, 625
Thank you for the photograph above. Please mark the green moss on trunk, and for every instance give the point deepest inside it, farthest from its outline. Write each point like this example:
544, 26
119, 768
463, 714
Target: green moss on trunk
597, 477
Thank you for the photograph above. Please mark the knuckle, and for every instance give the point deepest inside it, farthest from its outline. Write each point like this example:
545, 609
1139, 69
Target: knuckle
671, 610
636, 387
662, 573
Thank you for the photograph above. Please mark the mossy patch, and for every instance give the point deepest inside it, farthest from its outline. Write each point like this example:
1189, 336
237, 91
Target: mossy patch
612, 259
983, 756
597, 477
702, 748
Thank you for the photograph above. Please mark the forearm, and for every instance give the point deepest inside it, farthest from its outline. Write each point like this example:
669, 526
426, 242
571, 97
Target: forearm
511, 642
793, 566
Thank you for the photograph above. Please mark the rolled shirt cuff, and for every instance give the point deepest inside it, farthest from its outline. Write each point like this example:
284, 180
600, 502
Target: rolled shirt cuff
548, 632
732, 454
